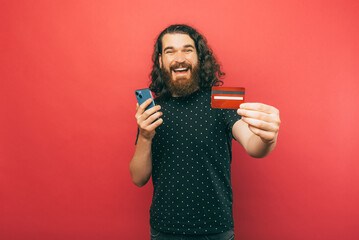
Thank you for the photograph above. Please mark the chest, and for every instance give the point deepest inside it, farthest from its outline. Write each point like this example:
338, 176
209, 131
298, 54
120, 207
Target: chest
190, 124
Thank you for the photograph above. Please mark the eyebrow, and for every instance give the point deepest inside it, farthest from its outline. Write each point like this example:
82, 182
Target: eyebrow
185, 46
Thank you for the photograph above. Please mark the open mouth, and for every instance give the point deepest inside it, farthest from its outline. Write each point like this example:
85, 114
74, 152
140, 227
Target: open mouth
180, 70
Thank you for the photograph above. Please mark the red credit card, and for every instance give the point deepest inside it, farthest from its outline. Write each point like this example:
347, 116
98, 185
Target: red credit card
227, 97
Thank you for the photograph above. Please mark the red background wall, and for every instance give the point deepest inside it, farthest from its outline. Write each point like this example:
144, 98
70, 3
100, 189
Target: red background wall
68, 74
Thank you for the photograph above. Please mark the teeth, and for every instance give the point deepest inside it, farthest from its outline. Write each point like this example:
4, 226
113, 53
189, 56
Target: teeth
180, 69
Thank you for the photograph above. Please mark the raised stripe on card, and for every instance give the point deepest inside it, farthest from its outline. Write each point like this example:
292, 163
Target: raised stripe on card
228, 92
228, 98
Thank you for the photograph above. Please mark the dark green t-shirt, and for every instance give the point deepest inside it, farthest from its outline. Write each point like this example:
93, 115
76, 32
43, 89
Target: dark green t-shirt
191, 167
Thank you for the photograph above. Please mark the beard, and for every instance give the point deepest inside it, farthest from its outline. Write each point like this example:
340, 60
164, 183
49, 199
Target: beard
185, 87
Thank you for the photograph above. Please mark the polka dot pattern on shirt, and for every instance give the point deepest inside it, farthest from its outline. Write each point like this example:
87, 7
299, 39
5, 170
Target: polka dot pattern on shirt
191, 172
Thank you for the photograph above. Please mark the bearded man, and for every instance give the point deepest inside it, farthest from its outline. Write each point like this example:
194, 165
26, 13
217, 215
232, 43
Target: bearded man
186, 146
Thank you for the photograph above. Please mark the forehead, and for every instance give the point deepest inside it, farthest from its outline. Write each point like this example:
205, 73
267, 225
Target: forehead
176, 40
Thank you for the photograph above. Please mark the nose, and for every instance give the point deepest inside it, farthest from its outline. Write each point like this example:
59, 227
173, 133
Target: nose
180, 57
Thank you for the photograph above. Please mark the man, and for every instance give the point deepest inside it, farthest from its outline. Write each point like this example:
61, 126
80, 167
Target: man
186, 145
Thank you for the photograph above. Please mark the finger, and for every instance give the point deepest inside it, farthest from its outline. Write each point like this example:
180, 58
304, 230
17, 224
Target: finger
154, 125
149, 112
144, 114
137, 106
141, 109
256, 115
260, 124
144, 105
152, 118
259, 107
266, 135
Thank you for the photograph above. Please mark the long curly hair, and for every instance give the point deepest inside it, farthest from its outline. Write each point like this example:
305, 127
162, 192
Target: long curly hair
209, 70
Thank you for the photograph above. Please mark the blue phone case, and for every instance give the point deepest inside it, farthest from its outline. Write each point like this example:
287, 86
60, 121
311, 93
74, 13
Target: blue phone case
142, 95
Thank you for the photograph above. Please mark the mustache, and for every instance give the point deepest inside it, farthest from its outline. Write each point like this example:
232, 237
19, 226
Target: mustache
181, 65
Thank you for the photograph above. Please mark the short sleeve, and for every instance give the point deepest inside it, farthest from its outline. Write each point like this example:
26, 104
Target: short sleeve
230, 117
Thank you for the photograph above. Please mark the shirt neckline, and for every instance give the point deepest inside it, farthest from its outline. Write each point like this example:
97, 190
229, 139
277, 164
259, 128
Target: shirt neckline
192, 95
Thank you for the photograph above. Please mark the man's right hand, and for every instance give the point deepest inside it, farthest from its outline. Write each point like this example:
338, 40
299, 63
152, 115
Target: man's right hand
146, 120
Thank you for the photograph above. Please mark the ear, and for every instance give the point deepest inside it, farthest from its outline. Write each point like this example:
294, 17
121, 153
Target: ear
160, 60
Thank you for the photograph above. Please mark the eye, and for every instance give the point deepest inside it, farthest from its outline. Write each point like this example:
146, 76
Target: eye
188, 50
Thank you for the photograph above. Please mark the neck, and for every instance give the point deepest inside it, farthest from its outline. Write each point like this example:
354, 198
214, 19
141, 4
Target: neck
175, 95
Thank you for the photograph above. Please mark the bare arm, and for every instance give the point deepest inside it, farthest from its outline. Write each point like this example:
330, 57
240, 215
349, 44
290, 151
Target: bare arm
141, 162
257, 131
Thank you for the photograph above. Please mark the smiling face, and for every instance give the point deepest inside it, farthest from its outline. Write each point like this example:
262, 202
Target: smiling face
179, 64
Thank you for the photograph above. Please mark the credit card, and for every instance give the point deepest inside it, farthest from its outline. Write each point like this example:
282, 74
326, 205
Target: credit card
227, 97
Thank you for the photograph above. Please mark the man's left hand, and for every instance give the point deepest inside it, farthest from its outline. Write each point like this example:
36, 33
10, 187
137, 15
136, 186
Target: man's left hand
263, 120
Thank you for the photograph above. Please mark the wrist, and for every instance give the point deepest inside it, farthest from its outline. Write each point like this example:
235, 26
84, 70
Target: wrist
144, 139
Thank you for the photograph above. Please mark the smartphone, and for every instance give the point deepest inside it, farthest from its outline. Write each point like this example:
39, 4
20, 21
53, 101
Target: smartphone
142, 95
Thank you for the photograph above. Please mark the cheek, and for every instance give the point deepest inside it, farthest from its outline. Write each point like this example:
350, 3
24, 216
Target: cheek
194, 59
194, 62
167, 63
168, 66
164, 65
